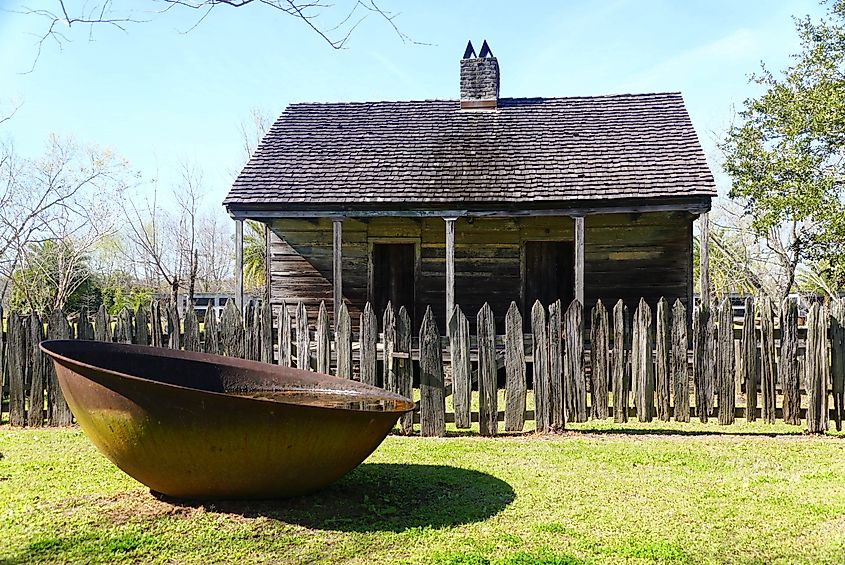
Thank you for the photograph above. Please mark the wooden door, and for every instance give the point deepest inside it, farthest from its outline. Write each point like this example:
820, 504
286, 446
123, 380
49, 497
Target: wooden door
393, 280
549, 273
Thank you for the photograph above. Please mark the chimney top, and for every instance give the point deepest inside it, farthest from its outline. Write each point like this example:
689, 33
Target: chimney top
479, 78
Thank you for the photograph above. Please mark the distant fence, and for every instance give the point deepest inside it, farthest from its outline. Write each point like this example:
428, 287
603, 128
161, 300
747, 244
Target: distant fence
649, 365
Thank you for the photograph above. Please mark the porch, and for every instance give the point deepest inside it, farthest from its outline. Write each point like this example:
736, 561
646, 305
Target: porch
420, 258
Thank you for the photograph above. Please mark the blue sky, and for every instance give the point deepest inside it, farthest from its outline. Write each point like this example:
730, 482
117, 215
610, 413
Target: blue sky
158, 95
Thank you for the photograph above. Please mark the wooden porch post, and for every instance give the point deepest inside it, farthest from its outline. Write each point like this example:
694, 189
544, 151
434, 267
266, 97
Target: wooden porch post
704, 259
337, 265
579, 259
450, 268
239, 264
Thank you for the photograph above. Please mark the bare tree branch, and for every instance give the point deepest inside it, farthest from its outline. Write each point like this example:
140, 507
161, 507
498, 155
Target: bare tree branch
313, 14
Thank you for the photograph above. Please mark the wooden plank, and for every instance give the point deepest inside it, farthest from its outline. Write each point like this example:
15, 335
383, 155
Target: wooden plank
515, 387
788, 366
59, 413
574, 360
337, 267
701, 315
192, 329
303, 339
388, 325
837, 360
680, 377
3, 368
174, 337
579, 259
231, 329
343, 343
156, 336
284, 321
124, 330
695, 205
450, 265
749, 359
367, 346
704, 259
39, 373
767, 360
710, 365
432, 390
461, 368
324, 348
642, 363
248, 312
102, 325
600, 362
239, 265
265, 317
17, 355
619, 357
211, 331
404, 368
84, 327
142, 332
561, 387
662, 368
487, 372
817, 366
540, 368
726, 372
253, 330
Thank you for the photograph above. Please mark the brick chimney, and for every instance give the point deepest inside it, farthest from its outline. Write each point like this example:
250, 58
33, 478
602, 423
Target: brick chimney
479, 79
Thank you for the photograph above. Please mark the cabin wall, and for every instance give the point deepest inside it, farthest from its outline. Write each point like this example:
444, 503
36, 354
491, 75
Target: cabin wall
630, 256
626, 256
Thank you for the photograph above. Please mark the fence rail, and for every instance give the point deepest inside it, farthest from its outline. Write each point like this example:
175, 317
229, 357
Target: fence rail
647, 365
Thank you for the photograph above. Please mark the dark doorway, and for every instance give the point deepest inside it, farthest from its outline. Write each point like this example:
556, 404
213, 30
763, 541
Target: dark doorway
394, 265
549, 273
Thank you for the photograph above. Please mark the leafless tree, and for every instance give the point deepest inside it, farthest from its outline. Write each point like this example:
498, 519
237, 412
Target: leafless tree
67, 197
214, 244
332, 22
163, 246
253, 130
741, 261
189, 196
151, 252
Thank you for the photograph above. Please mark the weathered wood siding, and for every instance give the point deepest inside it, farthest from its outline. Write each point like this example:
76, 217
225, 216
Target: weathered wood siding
627, 256
633, 256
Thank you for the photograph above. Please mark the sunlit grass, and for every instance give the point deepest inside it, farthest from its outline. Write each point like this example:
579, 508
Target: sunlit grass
602, 493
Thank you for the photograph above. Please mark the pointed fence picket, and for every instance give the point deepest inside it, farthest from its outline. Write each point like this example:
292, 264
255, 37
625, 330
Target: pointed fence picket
572, 372
515, 387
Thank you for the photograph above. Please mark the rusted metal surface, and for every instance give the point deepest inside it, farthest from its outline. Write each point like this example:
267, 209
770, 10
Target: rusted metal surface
194, 425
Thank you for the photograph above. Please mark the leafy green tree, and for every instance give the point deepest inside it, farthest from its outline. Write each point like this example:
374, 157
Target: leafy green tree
52, 276
786, 155
255, 258
119, 290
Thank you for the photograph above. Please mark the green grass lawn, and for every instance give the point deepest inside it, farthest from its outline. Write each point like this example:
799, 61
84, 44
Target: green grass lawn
601, 493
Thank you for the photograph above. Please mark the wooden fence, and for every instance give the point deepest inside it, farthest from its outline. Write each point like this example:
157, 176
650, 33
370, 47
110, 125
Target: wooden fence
646, 365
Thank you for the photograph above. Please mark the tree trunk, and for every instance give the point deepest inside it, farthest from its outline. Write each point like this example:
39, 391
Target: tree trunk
192, 280
174, 292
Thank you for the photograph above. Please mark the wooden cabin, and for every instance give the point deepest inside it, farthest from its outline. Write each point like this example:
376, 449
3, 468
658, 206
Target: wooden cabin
481, 199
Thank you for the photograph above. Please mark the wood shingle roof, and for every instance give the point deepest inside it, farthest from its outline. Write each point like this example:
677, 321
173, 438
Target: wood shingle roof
527, 151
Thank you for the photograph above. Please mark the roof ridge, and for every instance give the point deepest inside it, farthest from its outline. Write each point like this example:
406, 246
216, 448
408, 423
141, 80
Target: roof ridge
511, 98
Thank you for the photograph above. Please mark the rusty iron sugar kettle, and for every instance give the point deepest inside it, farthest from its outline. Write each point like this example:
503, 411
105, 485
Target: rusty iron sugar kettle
195, 425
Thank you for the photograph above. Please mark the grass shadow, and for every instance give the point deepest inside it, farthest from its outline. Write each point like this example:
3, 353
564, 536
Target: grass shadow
475, 433
383, 497
687, 433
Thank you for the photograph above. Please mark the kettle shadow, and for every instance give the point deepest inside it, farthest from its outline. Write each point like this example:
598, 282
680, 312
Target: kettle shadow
382, 497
